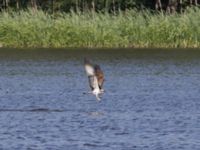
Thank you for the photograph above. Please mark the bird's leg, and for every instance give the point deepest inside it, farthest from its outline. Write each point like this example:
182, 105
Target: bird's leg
98, 98
102, 91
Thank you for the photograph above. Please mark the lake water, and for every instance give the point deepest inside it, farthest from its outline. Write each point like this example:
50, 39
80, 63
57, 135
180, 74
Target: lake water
152, 100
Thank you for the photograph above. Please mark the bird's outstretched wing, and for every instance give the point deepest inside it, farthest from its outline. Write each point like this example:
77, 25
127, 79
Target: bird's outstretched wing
93, 83
89, 68
100, 76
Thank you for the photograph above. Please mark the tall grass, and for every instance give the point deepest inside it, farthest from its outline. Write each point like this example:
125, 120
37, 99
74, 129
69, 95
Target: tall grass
130, 29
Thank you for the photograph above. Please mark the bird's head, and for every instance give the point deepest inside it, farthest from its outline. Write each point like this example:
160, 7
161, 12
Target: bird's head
86, 61
97, 67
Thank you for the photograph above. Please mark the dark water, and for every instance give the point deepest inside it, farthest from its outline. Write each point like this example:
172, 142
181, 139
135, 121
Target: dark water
152, 100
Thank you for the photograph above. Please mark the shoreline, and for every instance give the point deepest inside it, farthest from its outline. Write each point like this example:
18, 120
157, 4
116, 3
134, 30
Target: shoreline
98, 49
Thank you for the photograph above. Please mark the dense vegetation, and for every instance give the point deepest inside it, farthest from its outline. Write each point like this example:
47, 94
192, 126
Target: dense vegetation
96, 5
133, 29
99, 23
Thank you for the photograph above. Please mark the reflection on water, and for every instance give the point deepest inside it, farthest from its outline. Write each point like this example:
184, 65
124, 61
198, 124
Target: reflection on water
151, 100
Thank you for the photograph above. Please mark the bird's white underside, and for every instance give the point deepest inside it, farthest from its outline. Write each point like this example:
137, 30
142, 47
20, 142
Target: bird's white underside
96, 91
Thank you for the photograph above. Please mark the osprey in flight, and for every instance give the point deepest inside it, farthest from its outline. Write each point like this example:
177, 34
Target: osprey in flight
95, 77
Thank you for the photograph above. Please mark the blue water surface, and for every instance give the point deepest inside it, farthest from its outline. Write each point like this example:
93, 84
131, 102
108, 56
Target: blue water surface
151, 100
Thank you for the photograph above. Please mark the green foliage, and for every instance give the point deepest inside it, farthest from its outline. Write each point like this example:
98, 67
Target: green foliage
127, 29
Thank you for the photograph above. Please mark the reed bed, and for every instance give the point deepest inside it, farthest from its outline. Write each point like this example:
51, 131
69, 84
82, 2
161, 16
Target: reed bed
98, 30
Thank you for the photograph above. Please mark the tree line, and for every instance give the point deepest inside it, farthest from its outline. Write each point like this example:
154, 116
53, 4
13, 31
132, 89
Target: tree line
112, 6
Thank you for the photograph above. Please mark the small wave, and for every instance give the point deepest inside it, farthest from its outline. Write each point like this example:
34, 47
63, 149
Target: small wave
122, 133
95, 145
32, 110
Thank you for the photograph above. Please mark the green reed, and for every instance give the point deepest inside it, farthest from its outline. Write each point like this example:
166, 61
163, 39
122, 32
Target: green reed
126, 29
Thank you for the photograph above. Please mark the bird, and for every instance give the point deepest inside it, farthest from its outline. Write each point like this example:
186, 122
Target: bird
96, 78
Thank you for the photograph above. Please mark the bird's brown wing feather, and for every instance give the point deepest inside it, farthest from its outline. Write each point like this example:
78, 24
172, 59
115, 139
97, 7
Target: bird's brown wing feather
100, 77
